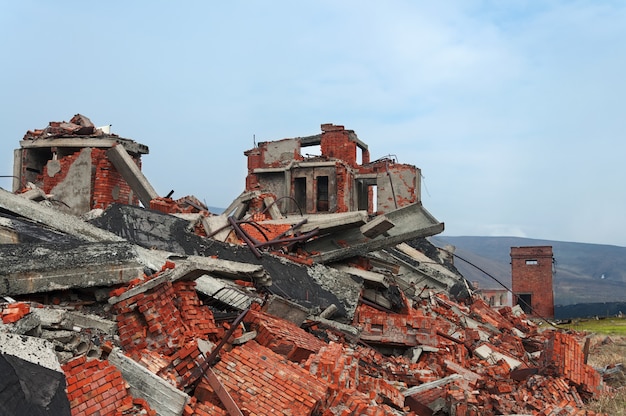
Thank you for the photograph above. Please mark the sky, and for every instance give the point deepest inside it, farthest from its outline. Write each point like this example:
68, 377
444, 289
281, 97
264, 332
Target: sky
513, 110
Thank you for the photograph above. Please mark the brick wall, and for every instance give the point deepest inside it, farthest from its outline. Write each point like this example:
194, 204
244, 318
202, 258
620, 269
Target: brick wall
108, 185
531, 274
95, 387
263, 383
336, 144
49, 182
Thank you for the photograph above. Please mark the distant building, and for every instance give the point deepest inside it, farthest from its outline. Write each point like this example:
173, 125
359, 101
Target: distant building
494, 297
531, 275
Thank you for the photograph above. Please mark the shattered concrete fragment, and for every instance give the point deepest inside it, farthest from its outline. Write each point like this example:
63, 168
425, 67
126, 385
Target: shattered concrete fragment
32, 381
225, 292
164, 398
32, 349
285, 309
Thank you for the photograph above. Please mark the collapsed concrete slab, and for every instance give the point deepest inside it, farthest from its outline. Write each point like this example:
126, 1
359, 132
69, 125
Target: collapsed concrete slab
52, 218
32, 381
16, 230
36, 268
410, 222
307, 286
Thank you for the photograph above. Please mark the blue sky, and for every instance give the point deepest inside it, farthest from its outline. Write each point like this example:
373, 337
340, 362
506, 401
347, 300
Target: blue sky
514, 110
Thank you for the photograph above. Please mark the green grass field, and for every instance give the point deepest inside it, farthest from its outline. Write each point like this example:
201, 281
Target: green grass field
607, 326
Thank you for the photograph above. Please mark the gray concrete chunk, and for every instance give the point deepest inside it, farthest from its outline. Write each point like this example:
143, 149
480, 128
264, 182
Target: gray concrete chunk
162, 397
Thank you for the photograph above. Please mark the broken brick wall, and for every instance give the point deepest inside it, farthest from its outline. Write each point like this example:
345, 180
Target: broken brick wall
398, 185
108, 185
531, 276
80, 180
336, 144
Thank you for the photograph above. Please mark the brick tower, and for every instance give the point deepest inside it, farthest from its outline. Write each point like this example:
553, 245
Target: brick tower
531, 275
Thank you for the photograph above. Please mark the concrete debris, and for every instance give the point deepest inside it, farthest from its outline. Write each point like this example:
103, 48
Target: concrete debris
307, 296
32, 382
35, 268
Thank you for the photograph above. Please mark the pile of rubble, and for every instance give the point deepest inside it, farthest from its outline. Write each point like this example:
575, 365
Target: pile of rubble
174, 310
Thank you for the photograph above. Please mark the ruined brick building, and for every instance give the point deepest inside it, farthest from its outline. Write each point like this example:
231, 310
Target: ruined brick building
81, 167
531, 274
254, 311
334, 181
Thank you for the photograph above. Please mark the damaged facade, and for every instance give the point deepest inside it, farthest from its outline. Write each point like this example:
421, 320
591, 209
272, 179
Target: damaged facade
334, 181
303, 298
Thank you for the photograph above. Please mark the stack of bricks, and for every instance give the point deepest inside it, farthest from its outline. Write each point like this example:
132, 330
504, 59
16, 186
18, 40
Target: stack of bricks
282, 336
408, 329
108, 186
96, 387
262, 382
338, 367
200, 408
184, 205
13, 312
563, 356
151, 320
343, 190
198, 317
188, 363
166, 205
487, 386
489, 315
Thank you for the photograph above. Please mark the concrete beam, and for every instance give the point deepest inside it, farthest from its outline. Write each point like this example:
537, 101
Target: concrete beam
323, 222
81, 142
411, 221
217, 226
285, 309
272, 208
162, 397
53, 218
430, 385
35, 268
372, 277
374, 296
131, 173
230, 269
91, 321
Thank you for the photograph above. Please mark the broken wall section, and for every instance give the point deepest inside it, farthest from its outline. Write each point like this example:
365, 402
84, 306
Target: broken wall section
69, 163
336, 180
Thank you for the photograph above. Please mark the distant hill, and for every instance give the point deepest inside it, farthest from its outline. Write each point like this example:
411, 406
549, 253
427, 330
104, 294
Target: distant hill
584, 273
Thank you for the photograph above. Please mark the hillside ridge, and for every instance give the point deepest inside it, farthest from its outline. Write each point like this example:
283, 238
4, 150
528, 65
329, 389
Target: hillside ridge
583, 272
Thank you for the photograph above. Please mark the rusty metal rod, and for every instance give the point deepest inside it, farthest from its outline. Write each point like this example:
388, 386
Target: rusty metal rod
289, 239
241, 233
216, 350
